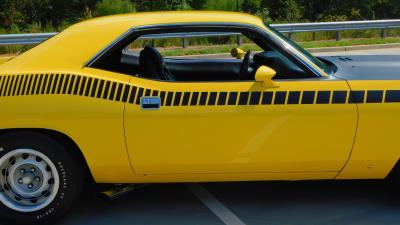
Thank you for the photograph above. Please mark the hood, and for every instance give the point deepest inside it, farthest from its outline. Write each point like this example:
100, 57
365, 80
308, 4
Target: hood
366, 67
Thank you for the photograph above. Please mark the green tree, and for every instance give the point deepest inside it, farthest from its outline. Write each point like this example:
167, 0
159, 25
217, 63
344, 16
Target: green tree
283, 10
198, 4
110, 7
251, 6
221, 5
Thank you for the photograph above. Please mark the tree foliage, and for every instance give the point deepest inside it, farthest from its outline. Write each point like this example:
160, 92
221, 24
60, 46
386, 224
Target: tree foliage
110, 7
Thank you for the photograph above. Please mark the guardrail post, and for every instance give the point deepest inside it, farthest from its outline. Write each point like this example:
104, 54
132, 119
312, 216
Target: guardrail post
338, 36
291, 35
383, 33
239, 40
185, 42
153, 43
313, 36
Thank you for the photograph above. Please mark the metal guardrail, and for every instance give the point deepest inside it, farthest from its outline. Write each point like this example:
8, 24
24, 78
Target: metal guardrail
30, 39
24, 39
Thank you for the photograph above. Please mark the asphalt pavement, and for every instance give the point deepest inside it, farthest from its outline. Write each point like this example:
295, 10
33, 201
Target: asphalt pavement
251, 203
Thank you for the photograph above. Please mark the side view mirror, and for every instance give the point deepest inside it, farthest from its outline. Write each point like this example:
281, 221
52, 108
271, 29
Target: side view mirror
237, 53
264, 74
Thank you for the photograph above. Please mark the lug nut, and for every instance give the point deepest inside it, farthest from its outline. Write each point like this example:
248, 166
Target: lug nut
20, 181
33, 170
22, 171
30, 186
37, 179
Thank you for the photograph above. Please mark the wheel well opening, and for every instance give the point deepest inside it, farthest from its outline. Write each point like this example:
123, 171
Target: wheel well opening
63, 139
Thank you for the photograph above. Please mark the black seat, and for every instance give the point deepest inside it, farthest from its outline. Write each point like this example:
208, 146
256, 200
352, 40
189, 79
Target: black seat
152, 65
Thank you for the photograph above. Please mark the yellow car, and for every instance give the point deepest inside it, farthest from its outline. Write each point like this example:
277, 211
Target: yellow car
86, 105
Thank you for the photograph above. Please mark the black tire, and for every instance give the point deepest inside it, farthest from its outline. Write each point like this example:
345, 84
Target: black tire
68, 168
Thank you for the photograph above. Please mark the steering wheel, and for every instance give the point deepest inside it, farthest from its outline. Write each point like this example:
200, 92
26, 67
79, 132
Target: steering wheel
244, 67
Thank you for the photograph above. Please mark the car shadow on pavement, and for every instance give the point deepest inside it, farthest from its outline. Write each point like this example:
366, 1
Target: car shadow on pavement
274, 203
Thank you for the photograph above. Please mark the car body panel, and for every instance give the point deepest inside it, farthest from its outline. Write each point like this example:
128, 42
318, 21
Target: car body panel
185, 136
122, 143
94, 124
376, 148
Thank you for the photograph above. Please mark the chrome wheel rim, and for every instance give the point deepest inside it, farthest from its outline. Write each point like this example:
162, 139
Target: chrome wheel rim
29, 180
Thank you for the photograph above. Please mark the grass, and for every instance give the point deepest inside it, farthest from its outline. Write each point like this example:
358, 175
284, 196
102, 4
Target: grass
217, 49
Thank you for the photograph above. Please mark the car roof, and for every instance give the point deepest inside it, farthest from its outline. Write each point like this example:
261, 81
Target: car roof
72, 48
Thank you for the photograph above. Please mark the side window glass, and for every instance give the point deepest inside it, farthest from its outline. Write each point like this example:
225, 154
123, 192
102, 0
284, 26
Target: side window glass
193, 58
200, 56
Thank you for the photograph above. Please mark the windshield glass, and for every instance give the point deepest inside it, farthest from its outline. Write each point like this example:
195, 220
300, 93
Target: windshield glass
312, 58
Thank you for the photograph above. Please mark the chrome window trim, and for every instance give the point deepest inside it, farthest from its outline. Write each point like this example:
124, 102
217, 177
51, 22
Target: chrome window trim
318, 72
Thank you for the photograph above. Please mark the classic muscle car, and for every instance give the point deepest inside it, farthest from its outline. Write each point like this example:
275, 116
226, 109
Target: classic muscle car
84, 107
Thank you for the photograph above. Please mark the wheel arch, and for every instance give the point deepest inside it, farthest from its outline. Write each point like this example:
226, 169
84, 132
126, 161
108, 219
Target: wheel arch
63, 139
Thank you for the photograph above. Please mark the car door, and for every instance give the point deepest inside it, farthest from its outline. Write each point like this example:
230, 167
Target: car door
303, 125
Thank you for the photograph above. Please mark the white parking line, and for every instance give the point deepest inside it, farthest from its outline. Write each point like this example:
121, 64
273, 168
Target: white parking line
220, 210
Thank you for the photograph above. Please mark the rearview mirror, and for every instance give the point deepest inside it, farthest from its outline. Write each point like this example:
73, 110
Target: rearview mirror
237, 53
264, 74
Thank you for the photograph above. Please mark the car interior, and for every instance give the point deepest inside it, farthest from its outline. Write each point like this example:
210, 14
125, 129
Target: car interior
150, 64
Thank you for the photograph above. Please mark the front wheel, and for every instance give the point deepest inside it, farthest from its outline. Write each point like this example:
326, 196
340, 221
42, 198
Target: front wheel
39, 179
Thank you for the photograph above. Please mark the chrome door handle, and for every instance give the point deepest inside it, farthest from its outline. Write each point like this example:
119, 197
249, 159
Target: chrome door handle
150, 103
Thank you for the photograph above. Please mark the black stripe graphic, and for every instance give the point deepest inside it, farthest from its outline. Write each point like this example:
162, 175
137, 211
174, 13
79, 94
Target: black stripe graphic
280, 97
232, 98
323, 97
169, 98
267, 98
60, 83
139, 95
374, 96
177, 98
119, 91
294, 97
392, 96
31, 84
203, 98
162, 97
89, 84
255, 98
222, 98
356, 97
212, 98
71, 84
195, 97
106, 89
94, 87
339, 97
308, 97
83, 85
49, 84
100, 88
44, 84
112, 92
133, 94
185, 100
243, 98
126, 93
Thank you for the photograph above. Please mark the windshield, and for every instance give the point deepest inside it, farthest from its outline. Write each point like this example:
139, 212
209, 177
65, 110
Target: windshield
312, 58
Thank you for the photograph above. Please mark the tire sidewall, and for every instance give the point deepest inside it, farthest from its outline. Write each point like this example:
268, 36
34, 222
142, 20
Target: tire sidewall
69, 187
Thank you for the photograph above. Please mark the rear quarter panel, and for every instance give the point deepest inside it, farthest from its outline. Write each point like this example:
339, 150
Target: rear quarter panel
94, 122
377, 143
